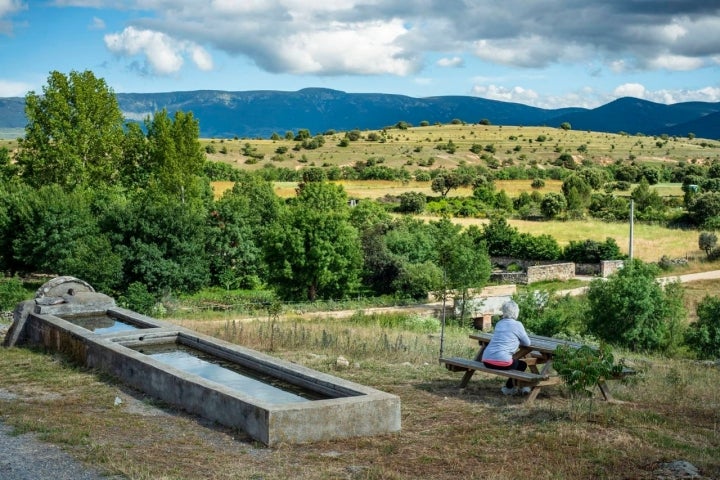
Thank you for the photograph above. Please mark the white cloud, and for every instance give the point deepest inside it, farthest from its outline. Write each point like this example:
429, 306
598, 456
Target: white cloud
163, 54
13, 89
514, 94
201, 58
675, 62
340, 48
454, 62
629, 90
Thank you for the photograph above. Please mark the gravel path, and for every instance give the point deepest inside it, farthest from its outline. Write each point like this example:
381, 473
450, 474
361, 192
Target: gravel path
24, 457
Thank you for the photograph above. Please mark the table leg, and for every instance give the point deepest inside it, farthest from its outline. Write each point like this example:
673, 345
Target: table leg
605, 391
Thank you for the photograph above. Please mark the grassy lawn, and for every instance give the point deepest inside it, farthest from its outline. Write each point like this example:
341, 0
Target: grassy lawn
670, 411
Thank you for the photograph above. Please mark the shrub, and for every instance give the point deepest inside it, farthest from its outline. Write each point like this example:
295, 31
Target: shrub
703, 337
632, 310
12, 292
138, 298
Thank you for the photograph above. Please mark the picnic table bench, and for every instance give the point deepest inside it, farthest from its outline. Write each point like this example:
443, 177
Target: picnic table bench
538, 356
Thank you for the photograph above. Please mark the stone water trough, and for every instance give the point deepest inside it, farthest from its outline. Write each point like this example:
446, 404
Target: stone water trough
274, 401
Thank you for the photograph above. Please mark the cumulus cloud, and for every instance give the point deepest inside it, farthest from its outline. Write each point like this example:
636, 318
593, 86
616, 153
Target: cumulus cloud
164, 54
392, 37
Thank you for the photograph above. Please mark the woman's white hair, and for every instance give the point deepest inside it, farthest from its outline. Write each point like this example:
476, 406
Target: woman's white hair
510, 309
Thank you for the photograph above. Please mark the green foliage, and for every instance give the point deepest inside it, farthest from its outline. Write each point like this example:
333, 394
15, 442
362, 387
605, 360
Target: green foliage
707, 242
552, 205
138, 298
412, 202
592, 251
581, 368
313, 251
703, 336
74, 132
12, 292
632, 310
416, 280
544, 313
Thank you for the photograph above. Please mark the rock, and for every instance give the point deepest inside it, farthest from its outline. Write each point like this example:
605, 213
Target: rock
678, 469
342, 361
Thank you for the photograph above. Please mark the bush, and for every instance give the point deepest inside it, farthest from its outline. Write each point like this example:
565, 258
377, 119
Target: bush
703, 337
12, 292
631, 309
138, 299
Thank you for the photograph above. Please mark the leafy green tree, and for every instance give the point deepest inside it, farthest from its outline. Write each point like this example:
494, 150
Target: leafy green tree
162, 241
648, 203
703, 336
500, 237
8, 169
707, 241
565, 126
465, 264
552, 205
592, 251
313, 251
412, 202
176, 159
445, 182
74, 132
632, 310
237, 225
412, 240
416, 280
703, 207
57, 232
576, 191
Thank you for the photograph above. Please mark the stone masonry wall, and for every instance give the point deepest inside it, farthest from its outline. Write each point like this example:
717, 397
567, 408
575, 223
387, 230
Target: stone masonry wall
608, 267
558, 271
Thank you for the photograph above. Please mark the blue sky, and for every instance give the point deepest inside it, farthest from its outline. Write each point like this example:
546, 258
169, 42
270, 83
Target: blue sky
546, 53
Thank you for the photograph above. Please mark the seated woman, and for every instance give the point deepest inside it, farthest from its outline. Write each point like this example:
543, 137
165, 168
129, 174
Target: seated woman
507, 337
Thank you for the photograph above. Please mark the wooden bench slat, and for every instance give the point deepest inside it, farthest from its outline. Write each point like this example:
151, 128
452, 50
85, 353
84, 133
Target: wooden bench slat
480, 367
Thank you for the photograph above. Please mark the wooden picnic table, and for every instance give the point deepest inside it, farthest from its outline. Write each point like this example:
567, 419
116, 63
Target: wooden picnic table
538, 355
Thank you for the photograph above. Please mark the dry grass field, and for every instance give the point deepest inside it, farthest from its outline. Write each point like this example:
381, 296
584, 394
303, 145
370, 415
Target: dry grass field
670, 411
417, 148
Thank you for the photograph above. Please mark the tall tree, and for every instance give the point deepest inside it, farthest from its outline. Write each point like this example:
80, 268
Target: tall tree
74, 132
237, 225
175, 154
313, 251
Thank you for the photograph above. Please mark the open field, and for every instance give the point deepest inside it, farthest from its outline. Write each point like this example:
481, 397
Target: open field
511, 145
670, 412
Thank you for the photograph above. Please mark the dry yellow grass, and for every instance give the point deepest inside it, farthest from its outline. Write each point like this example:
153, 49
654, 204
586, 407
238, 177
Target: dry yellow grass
670, 413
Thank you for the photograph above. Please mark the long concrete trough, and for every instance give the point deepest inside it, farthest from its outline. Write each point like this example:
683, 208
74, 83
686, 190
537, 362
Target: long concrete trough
325, 408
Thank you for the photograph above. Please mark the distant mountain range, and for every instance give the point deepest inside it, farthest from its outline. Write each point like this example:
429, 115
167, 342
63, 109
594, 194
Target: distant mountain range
253, 114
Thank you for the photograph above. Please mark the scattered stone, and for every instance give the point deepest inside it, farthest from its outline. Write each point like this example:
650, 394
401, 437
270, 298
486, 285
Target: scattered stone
118, 401
678, 469
342, 361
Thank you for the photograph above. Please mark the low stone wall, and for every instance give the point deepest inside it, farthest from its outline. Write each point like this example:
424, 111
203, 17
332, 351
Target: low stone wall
608, 267
509, 277
589, 269
557, 271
